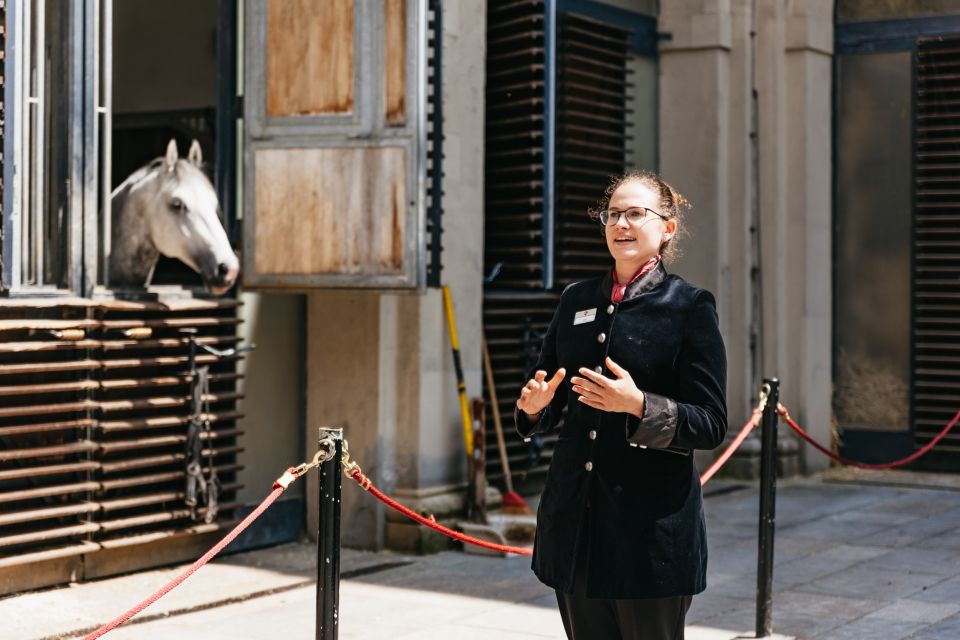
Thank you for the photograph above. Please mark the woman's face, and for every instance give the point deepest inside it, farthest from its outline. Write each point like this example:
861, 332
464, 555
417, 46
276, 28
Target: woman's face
636, 242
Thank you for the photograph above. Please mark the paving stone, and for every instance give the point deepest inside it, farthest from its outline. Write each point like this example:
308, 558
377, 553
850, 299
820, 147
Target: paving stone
915, 532
710, 604
940, 562
946, 591
949, 629
816, 566
877, 584
921, 503
946, 540
917, 611
831, 528
872, 628
805, 614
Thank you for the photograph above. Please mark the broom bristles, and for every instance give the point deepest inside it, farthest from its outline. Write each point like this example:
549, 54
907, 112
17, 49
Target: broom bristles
514, 504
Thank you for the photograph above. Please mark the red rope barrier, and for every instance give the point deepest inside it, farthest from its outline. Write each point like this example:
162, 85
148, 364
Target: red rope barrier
744, 432
217, 548
863, 465
368, 486
365, 484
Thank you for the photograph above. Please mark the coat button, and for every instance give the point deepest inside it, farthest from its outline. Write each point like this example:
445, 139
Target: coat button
601, 338
598, 369
610, 309
592, 434
588, 466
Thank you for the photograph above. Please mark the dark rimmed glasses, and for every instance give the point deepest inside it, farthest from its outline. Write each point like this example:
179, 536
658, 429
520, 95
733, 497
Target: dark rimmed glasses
635, 216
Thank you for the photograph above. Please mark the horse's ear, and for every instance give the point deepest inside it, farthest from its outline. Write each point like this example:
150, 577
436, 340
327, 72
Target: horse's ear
195, 156
170, 160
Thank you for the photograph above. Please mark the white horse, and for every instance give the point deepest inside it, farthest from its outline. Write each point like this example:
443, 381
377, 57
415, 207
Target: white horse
169, 206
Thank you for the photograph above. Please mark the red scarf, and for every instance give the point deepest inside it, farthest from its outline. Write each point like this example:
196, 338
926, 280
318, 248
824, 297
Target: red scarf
616, 294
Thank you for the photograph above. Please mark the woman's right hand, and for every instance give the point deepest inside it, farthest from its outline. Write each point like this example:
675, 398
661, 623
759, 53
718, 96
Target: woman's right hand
538, 392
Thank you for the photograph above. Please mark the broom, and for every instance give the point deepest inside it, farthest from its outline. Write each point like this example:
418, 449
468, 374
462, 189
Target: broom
512, 501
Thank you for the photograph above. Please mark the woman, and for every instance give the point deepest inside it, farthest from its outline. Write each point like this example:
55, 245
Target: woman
620, 528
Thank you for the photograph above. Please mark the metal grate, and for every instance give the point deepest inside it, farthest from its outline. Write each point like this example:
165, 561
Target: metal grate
935, 349
590, 145
93, 430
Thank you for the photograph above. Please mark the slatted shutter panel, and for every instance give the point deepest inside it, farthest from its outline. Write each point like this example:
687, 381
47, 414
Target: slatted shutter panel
514, 324
591, 139
514, 143
590, 145
93, 431
936, 265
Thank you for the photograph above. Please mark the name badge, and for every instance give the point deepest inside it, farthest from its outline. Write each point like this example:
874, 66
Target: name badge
585, 316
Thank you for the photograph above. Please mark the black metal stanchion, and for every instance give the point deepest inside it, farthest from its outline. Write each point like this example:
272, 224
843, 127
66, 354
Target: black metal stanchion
328, 539
768, 489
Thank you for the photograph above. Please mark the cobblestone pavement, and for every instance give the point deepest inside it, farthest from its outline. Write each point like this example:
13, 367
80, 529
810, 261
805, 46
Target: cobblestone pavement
866, 558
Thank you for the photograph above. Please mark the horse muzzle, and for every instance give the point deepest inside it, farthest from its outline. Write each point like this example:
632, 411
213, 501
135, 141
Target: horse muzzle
223, 276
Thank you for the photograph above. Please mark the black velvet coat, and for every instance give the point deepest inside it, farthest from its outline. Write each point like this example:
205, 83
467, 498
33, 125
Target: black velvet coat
629, 484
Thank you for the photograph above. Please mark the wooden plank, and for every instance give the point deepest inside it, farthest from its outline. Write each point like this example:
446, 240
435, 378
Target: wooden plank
46, 427
157, 478
163, 441
48, 534
395, 34
32, 515
330, 211
45, 409
53, 387
309, 57
155, 461
19, 347
127, 363
43, 492
47, 554
49, 470
162, 421
163, 323
151, 549
25, 572
162, 402
82, 446
43, 324
47, 367
165, 343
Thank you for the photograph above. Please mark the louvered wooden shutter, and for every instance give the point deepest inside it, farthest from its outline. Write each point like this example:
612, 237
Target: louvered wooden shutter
93, 434
936, 264
535, 247
591, 139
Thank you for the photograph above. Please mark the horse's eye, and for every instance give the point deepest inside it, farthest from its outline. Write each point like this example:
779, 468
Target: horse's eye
177, 205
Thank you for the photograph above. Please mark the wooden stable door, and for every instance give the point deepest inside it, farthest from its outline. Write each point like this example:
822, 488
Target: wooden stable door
334, 144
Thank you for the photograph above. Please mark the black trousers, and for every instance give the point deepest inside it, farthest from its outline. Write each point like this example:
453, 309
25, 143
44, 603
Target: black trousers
606, 619
599, 619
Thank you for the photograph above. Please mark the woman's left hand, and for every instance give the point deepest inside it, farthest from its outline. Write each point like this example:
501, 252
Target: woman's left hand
617, 395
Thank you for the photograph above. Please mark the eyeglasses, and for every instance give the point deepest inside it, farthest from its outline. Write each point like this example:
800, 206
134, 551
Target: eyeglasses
635, 216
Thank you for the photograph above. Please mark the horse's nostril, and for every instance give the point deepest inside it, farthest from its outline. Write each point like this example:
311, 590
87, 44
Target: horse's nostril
223, 270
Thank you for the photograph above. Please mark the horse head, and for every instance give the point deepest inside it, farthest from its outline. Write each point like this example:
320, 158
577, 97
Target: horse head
170, 207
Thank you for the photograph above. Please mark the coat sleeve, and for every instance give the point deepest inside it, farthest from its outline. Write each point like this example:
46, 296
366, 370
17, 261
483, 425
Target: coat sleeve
697, 417
547, 361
